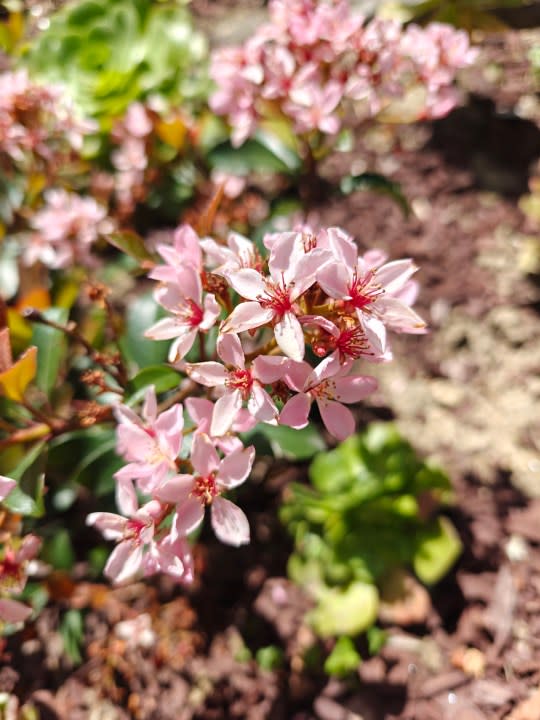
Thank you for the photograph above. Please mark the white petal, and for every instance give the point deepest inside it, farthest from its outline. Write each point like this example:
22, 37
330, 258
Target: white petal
229, 522
225, 412
290, 336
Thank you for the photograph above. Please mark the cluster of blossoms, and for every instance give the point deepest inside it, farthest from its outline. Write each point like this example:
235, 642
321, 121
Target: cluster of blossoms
130, 158
38, 129
320, 66
15, 556
64, 230
292, 323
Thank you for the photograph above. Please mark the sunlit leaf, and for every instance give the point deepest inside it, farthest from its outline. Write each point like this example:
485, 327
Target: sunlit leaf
439, 547
15, 380
347, 611
131, 244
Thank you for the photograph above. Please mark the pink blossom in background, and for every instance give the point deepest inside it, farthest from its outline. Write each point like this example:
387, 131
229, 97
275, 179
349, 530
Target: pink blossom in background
65, 229
321, 65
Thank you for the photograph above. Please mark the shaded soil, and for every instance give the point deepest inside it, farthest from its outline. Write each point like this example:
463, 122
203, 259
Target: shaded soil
467, 394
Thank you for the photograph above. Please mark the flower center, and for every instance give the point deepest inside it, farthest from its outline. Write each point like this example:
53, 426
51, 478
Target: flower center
10, 571
240, 380
276, 297
363, 292
323, 390
134, 530
353, 342
205, 488
190, 313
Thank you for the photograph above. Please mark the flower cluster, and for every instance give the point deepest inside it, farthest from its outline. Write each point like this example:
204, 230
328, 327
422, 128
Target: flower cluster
38, 129
318, 65
15, 555
65, 229
292, 322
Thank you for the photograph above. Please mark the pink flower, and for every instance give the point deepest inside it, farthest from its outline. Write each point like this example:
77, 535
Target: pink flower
212, 476
13, 611
66, 228
240, 252
330, 386
201, 412
150, 446
13, 576
370, 292
240, 384
183, 299
313, 107
171, 556
132, 534
273, 299
186, 249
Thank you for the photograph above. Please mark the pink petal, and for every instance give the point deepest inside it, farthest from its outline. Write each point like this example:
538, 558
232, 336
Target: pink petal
338, 419
394, 275
297, 374
124, 562
269, 368
165, 329
295, 413
12, 611
200, 411
175, 489
225, 412
334, 280
229, 522
248, 283
246, 316
6, 486
306, 271
229, 349
110, 525
204, 457
189, 515
149, 411
235, 468
400, 317
171, 421
290, 336
209, 374
354, 388
211, 312
182, 345
261, 405
126, 497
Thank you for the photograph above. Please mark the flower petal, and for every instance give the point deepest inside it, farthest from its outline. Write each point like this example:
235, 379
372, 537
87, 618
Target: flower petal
229, 522
290, 336
229, 349
225, 412
6, 486
209, 374
248, 283
246, 316
204, 457
338, 419
189, 515
235, 468
124, 562
261, 405
12, 611
109, 524
174, 489
354, 388
295, 413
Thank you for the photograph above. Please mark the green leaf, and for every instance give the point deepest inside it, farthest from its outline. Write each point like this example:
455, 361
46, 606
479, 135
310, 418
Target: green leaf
252, 156
292, 444
72, 632
141, 314
348, 611
58, 551
438, 549
52, 346
162, 377
96, 470
270, 657
375, 183
376, 638
344, 658
27, 497
130, 243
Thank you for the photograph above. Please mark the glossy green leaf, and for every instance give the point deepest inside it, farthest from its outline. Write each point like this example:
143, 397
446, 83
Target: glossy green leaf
162, 377
252, 156
293, 444
375, 183
52, 346
27, 497
58, 550
72, 633
130, 243
141, 314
